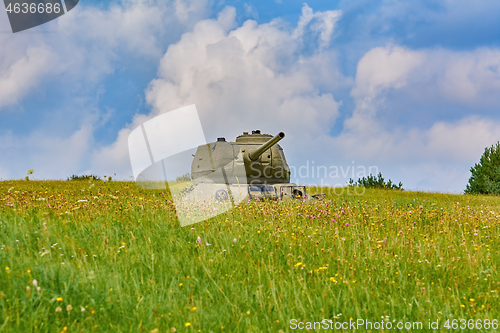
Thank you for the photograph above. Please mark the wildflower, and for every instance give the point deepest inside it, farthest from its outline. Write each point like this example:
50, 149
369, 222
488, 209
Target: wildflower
298, 264
199, 240
82, 309
69, 307
234, 240
7, 268
35, 283
173, 329
333, 279
187, 324
248, 313
194, 308
180, 284
155, 330
28, 288
59, 299
58, 309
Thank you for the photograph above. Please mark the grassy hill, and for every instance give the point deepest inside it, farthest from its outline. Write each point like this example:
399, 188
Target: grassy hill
111, 257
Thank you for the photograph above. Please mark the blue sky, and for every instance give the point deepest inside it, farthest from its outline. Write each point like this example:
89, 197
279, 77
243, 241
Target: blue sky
411, 87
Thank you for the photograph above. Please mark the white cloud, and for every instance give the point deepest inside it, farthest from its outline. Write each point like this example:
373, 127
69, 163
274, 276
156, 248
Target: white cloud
384, 67
244, 78
48, 155
320, 23
438, 156
24, 73
85, 46
87, 43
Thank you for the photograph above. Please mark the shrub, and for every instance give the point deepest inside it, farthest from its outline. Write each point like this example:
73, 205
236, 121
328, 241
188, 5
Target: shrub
184, 178
376, 182
485, 178
84, 177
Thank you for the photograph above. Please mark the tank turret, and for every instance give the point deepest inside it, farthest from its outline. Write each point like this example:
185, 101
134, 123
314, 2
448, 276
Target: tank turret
253, 159
255, 154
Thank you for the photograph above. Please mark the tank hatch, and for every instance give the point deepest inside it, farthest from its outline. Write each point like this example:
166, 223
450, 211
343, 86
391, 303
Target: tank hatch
256, 137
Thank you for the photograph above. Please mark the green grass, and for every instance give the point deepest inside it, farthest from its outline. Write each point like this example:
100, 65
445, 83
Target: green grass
122, 257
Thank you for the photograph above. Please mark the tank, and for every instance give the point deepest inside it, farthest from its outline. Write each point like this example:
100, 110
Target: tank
253, 166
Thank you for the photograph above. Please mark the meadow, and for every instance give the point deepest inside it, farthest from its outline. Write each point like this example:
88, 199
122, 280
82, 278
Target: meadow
80, 256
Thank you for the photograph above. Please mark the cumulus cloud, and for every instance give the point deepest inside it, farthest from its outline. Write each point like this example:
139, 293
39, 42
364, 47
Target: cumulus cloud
320, 23
446, 148
87, 43
24, 73
244, 78
84, 47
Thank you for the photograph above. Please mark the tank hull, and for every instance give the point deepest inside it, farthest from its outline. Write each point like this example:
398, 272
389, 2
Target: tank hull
216, 192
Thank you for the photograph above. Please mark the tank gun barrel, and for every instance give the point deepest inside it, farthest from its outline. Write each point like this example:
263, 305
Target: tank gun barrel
255, 153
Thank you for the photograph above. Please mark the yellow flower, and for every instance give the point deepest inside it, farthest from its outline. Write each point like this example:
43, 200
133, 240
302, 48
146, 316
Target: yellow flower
332, 279
59, 299
194, 308
7, 268
187, 324
29, 271
298, 264
472, 299
180, 284
248, 313
463, 306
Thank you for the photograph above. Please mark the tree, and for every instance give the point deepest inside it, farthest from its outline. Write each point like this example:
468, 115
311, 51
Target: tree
485, 178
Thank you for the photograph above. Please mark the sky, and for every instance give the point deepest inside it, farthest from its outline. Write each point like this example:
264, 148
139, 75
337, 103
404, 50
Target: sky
407, 88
